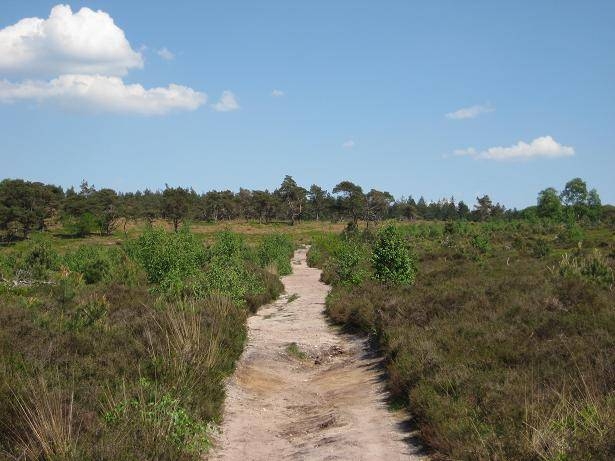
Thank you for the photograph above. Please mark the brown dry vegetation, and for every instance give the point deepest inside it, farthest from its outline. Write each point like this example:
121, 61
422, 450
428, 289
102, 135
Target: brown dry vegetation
504, 347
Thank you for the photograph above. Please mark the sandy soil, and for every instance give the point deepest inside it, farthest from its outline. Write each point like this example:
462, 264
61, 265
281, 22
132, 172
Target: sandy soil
324, 403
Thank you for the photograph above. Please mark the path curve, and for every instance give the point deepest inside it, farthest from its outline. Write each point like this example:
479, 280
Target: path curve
327, 405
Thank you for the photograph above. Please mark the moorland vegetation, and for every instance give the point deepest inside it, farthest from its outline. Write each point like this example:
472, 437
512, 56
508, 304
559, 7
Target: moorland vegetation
496, 325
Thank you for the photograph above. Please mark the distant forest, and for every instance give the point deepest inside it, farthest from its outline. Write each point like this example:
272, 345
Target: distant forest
33, 206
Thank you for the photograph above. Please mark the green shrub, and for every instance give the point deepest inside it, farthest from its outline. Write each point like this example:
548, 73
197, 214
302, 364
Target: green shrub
541, 248
94, 263
38, 258
80, 226
276, 249
481, 243
323, 247
573, 234
391, 260
162, 254
349, 263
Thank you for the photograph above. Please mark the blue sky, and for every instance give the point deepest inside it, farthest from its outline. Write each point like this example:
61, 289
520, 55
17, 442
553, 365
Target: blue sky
367, 87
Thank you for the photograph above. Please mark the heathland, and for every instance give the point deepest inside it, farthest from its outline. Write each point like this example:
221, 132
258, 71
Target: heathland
122, 315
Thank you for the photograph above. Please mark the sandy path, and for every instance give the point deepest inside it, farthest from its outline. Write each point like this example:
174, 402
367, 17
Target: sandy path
326, 406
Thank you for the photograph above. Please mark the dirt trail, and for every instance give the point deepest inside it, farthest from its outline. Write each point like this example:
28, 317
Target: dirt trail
327, 405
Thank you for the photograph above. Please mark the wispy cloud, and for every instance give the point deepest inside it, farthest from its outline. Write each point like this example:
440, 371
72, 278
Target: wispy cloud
97, 93
470, 112
227, 103
277, 93
544, 146
166, 54
348, 144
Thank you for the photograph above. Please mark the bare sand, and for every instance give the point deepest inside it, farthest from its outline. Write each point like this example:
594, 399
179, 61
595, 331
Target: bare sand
326, 403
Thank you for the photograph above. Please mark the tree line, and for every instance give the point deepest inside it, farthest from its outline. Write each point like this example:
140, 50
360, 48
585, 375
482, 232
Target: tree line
27, 206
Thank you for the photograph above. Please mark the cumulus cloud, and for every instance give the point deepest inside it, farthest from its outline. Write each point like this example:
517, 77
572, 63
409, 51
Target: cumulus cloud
227, 103
470, 112
97, 93
544, 146
349, 144
85, 42
75, 60
166, 54
277, 93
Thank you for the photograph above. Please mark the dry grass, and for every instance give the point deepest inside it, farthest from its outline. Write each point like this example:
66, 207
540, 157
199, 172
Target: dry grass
48, 417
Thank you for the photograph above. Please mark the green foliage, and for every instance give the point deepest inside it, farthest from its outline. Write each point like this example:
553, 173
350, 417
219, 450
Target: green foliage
481, 243
541, 248
37, 258
391, 259
573, 234
168, 256
25, 205
94, 263
549, 204
228, 246
322, 249
349, 263
163, 415
276, 249
295, 351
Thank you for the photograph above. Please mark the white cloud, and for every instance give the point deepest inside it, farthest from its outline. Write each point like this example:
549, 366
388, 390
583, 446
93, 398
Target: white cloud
166, 54
85, 42
277, 93
349, 144
228, 102
470, 112
98, 93
544, 146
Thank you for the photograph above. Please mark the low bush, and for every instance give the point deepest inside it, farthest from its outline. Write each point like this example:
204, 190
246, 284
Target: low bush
349, 263
276, 249
391, 259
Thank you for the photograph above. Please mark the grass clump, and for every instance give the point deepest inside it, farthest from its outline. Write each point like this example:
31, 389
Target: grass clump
295, 351
292, 298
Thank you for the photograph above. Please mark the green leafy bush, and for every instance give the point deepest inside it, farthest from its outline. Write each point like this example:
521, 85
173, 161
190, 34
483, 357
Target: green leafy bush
38, 258
80, 226
173, 255
391, 259
93, 262
481, 243
349, 263
276, 249
573, 234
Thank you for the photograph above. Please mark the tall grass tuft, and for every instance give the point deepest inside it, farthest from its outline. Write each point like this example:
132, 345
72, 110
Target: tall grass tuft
48, 432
